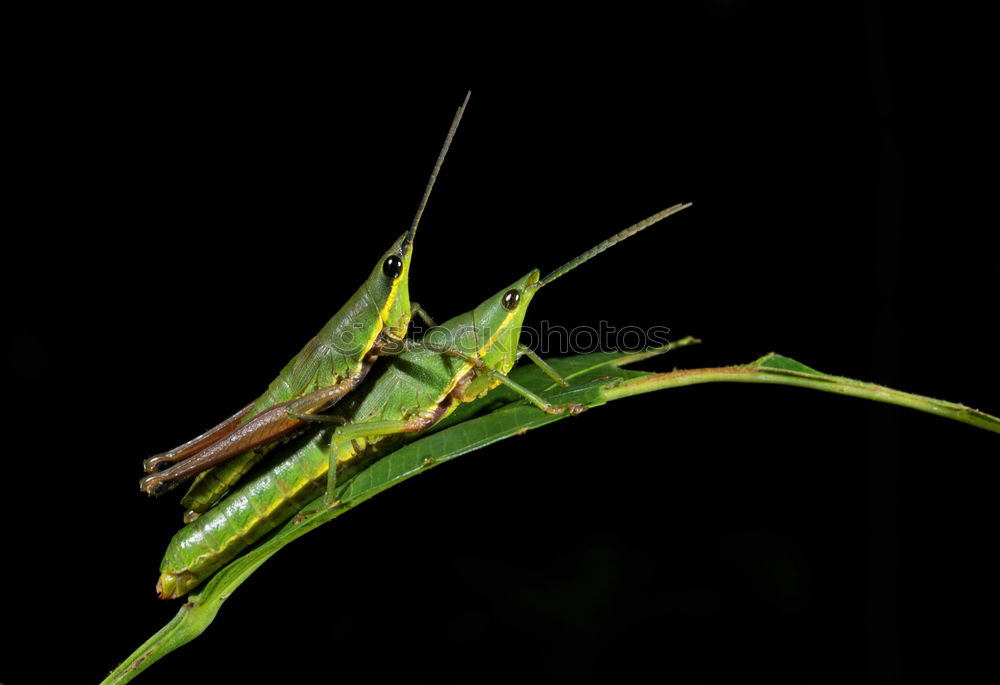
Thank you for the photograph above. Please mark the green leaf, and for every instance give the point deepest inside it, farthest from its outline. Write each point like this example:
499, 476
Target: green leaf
594, 380
776, 361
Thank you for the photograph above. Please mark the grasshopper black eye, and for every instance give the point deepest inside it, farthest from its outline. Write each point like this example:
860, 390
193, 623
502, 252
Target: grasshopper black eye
510, 300
392, 267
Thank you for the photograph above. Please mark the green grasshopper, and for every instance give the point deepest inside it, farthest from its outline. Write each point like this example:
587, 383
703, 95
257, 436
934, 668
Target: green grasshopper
456, 362
372, 323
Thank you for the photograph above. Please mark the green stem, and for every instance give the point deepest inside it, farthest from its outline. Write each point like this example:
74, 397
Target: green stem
190, 621
752, 373
186, 625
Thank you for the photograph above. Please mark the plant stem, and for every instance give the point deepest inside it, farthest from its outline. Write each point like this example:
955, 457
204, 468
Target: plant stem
752, 373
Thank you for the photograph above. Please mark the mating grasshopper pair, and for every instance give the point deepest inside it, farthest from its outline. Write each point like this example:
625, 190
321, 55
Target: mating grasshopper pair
419, 384
372, 323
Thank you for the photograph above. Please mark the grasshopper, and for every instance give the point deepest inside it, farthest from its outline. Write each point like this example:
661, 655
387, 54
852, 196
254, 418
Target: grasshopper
456, 362
372, 323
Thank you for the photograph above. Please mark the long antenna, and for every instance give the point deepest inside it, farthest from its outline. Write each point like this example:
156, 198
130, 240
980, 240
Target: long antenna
613, 240
437, 166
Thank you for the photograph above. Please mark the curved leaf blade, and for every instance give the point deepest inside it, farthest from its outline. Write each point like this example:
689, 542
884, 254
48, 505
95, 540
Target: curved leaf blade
596, 379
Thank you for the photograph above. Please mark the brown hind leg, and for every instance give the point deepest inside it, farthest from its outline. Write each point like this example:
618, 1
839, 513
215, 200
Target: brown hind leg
212, 435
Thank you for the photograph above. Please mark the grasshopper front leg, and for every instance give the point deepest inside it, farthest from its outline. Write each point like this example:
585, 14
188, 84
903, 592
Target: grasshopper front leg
417, 310
482, 368
524, 350
573, 408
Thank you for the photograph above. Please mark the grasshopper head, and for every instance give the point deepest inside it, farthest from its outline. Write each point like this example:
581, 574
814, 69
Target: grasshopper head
389, 286
498, 322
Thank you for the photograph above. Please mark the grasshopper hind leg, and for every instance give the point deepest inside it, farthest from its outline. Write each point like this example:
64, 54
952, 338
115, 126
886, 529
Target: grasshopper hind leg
345, 435
159, 462
281, 419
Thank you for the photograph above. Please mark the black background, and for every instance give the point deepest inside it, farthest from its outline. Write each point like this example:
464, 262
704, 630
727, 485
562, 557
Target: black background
190, 210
